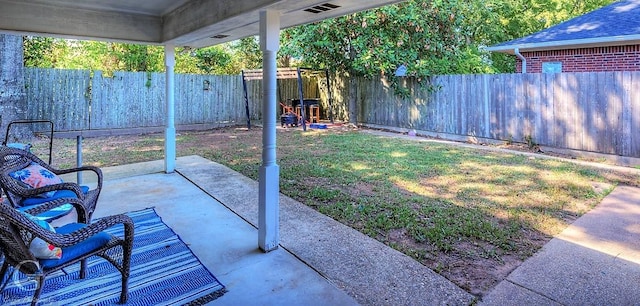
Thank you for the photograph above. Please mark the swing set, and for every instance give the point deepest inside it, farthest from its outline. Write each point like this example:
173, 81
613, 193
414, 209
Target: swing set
294, 110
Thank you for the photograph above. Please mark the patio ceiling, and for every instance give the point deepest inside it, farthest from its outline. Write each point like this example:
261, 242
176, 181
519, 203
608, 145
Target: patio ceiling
193, 23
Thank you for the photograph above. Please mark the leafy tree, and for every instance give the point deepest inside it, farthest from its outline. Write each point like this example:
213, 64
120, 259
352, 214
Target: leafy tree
186, 62
424, 36
213, 60
247, 53
428, 36
38, 51
47, 52
133, 57
209, 60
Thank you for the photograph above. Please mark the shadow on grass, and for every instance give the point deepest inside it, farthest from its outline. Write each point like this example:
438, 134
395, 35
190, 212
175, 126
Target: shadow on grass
448, 207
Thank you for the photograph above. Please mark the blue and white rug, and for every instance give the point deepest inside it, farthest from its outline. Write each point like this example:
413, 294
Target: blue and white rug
164, 271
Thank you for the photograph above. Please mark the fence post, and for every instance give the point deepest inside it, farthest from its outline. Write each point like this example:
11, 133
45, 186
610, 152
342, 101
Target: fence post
79, 158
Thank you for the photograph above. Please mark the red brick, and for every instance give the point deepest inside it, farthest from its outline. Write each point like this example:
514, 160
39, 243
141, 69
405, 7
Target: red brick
613, 58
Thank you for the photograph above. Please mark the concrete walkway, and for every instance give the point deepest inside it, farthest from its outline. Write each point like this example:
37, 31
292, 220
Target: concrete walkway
595, 261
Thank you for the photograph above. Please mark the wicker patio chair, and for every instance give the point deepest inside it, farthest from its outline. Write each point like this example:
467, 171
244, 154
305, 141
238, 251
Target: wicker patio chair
78, 241
22, 197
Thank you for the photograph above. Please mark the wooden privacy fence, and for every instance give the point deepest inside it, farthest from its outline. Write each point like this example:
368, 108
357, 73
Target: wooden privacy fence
76, 100
61, 96
597, 112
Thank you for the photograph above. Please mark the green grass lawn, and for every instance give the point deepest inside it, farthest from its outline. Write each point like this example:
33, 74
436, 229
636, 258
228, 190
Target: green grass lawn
457, 210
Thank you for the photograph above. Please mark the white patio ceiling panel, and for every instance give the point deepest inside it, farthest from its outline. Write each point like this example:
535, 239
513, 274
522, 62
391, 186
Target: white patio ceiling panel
194, 23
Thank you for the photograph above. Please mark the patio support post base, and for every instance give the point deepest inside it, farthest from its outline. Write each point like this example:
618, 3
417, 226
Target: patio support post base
269, 209
170, 150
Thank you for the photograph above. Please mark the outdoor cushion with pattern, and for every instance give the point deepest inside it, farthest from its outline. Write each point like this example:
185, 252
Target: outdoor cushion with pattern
40, 248
50, 214
36, 176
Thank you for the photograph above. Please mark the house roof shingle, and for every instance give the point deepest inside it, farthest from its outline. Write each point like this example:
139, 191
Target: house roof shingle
614, 24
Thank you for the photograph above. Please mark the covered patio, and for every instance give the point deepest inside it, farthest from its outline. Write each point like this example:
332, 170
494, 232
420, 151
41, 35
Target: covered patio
300, 256
193, 24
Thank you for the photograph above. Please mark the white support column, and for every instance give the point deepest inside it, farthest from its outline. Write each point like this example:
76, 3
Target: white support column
269, 199
170, 131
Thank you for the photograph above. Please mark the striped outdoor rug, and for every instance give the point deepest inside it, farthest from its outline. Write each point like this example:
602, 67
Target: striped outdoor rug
164, 271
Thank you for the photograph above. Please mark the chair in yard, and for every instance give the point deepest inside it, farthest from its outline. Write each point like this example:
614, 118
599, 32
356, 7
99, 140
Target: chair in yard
27, 181
21, 237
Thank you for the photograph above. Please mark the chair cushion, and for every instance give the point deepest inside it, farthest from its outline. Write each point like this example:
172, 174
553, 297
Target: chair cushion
56, 195
35, 176
21, 146
52, 214
75, 251
40, 248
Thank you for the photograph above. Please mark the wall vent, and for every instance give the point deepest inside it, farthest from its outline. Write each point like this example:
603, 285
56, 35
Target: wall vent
322, 8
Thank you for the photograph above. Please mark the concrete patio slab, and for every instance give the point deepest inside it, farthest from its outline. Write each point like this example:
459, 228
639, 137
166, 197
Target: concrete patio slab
224, 243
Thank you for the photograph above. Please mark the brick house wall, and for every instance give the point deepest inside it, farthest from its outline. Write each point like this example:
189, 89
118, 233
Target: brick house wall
613, 58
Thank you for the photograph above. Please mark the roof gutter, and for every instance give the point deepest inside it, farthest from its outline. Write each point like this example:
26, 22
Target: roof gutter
516, 51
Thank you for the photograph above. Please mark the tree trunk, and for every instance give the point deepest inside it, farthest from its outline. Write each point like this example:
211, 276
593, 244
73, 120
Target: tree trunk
13, 104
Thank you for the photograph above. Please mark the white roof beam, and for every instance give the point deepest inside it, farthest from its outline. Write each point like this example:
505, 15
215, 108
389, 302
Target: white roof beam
79, 23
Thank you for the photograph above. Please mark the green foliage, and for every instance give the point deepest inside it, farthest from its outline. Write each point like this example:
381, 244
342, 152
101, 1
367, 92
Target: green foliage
131, 57
247, 53
213, 60
109, 57
528, 139
420, 35
428, 36
38, 51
